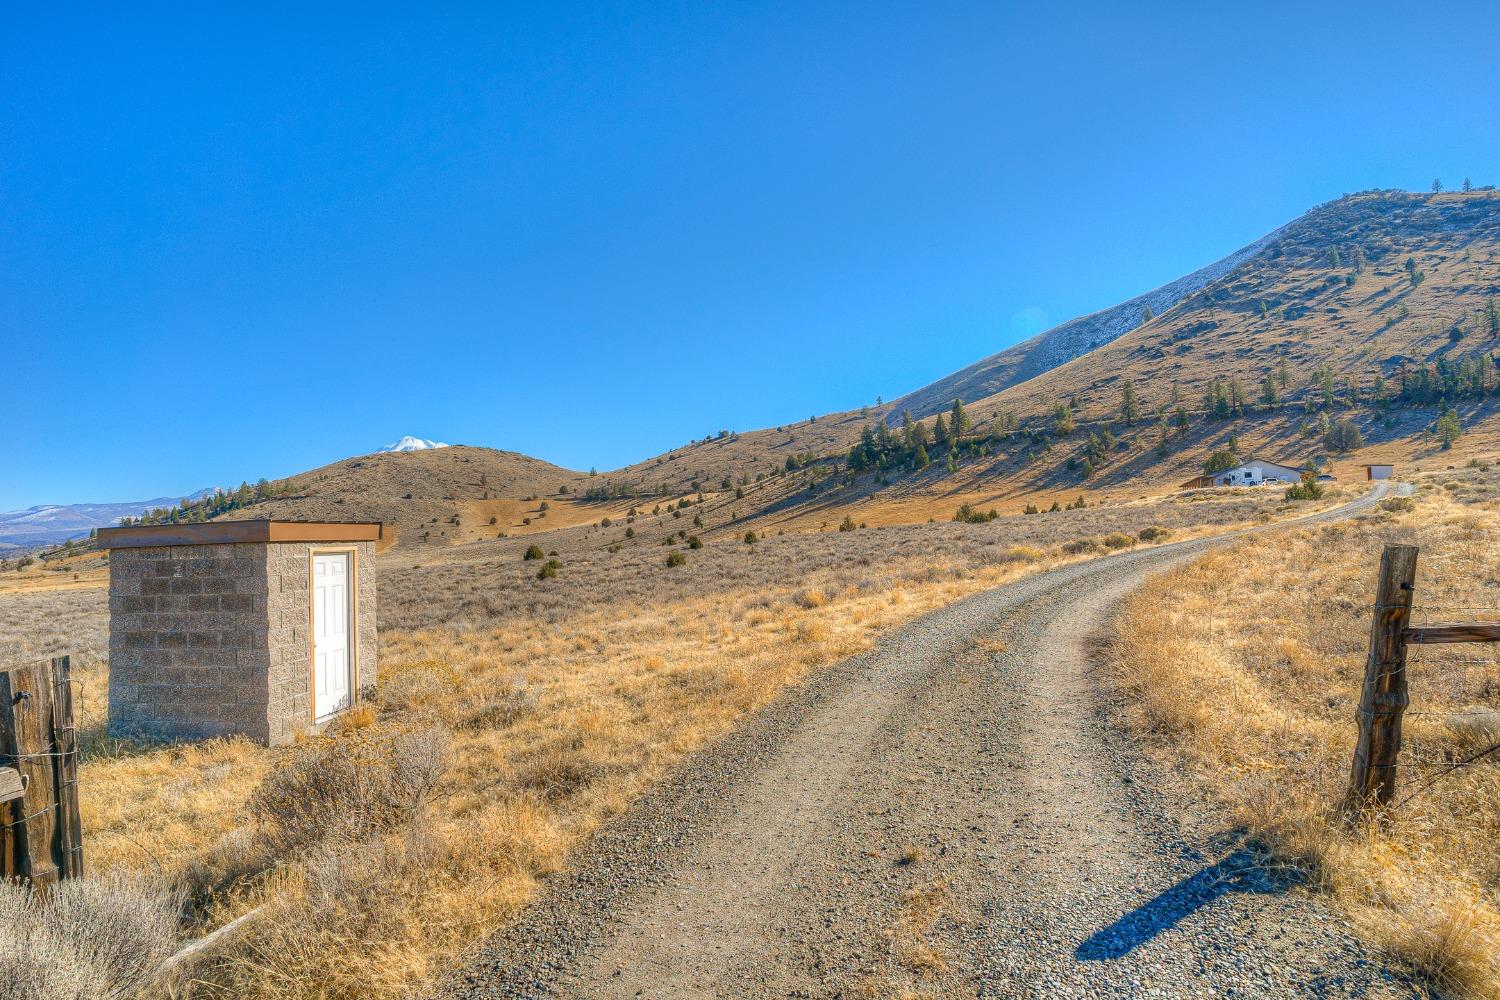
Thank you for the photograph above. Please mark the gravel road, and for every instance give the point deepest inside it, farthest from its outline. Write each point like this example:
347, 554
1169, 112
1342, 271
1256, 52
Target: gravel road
951, 814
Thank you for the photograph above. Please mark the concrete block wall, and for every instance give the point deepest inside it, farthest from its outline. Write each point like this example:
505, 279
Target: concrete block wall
188, 649
213, 640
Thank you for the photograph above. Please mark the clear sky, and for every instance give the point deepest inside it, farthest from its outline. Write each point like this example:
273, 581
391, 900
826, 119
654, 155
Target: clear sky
236, 245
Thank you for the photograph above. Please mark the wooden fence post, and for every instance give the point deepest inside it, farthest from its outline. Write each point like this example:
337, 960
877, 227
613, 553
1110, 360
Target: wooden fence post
1384, 698
40, 833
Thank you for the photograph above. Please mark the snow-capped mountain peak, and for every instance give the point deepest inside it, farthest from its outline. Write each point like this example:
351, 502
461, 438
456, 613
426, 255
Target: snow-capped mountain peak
410, 443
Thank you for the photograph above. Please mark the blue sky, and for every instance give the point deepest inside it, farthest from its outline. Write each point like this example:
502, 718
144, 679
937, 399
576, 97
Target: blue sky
245, 244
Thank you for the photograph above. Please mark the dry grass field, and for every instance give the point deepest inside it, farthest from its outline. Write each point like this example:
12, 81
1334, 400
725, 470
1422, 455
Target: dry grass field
514, 716
1246, 666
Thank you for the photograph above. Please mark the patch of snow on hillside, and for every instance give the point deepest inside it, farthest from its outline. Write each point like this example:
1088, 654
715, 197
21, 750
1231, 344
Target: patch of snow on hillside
410, 443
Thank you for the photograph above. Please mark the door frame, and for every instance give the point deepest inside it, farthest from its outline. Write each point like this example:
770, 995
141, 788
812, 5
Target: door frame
352, 551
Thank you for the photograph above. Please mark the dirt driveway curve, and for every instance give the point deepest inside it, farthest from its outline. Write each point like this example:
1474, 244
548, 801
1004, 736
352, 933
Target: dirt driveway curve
949, 815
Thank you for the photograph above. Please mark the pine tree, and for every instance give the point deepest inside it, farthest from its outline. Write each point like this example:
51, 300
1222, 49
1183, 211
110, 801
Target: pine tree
1062, 420
1130, 410
1448, 428
1268, 394
959, 424
940, 431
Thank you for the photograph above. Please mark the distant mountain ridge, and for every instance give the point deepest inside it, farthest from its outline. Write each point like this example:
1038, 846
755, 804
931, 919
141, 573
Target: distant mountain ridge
51, 524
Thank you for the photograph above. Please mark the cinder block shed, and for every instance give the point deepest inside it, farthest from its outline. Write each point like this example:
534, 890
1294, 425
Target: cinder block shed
257, 628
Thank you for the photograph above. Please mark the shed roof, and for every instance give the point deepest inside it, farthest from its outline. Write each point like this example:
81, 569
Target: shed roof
239, 532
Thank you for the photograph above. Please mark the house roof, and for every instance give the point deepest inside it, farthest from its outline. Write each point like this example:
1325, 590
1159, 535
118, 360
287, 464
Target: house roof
1378, 465
239, 532
1266, 461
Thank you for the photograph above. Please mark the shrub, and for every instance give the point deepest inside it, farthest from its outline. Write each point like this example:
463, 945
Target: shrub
1155, 533
1305, 491
694, 542
533, 552
676, 558
101, 935
1032, 508
750, 538
1397, 505
847, 524
629, 532
1117, 540
969, 515
1343, 436
549, 569
605, 522
1080, 546
349, 787
812, 597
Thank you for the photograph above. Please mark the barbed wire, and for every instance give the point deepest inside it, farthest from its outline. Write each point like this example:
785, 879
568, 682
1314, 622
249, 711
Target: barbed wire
1475, 758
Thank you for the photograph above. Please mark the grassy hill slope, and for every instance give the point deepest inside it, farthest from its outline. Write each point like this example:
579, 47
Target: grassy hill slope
1379, 309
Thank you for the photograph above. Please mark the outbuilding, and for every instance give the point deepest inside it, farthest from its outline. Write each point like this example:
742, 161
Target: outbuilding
256, 628
1379, 471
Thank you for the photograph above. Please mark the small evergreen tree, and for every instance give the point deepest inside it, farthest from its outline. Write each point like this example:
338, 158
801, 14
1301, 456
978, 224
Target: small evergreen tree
1448, 428
1062, 420
1130, 409
1224, 458
959, 424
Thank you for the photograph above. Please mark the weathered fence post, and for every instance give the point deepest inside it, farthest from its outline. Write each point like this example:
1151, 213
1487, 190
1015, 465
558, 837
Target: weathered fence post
41, 837
1384, 699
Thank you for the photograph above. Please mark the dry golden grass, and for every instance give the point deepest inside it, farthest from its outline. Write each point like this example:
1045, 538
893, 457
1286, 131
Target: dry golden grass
1248, 663
555, 727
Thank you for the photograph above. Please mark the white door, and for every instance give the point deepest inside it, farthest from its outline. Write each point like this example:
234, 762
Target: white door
330, 614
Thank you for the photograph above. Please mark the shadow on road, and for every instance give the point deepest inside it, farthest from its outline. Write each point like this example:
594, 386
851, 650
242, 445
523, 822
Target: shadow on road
1238, 872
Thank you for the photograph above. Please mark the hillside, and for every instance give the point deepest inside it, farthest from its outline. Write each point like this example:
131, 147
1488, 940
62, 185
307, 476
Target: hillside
1378, 308
422, 490
1070, 340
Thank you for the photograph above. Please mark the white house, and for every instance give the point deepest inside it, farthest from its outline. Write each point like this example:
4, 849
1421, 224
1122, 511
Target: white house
1379, 471
1255, 472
